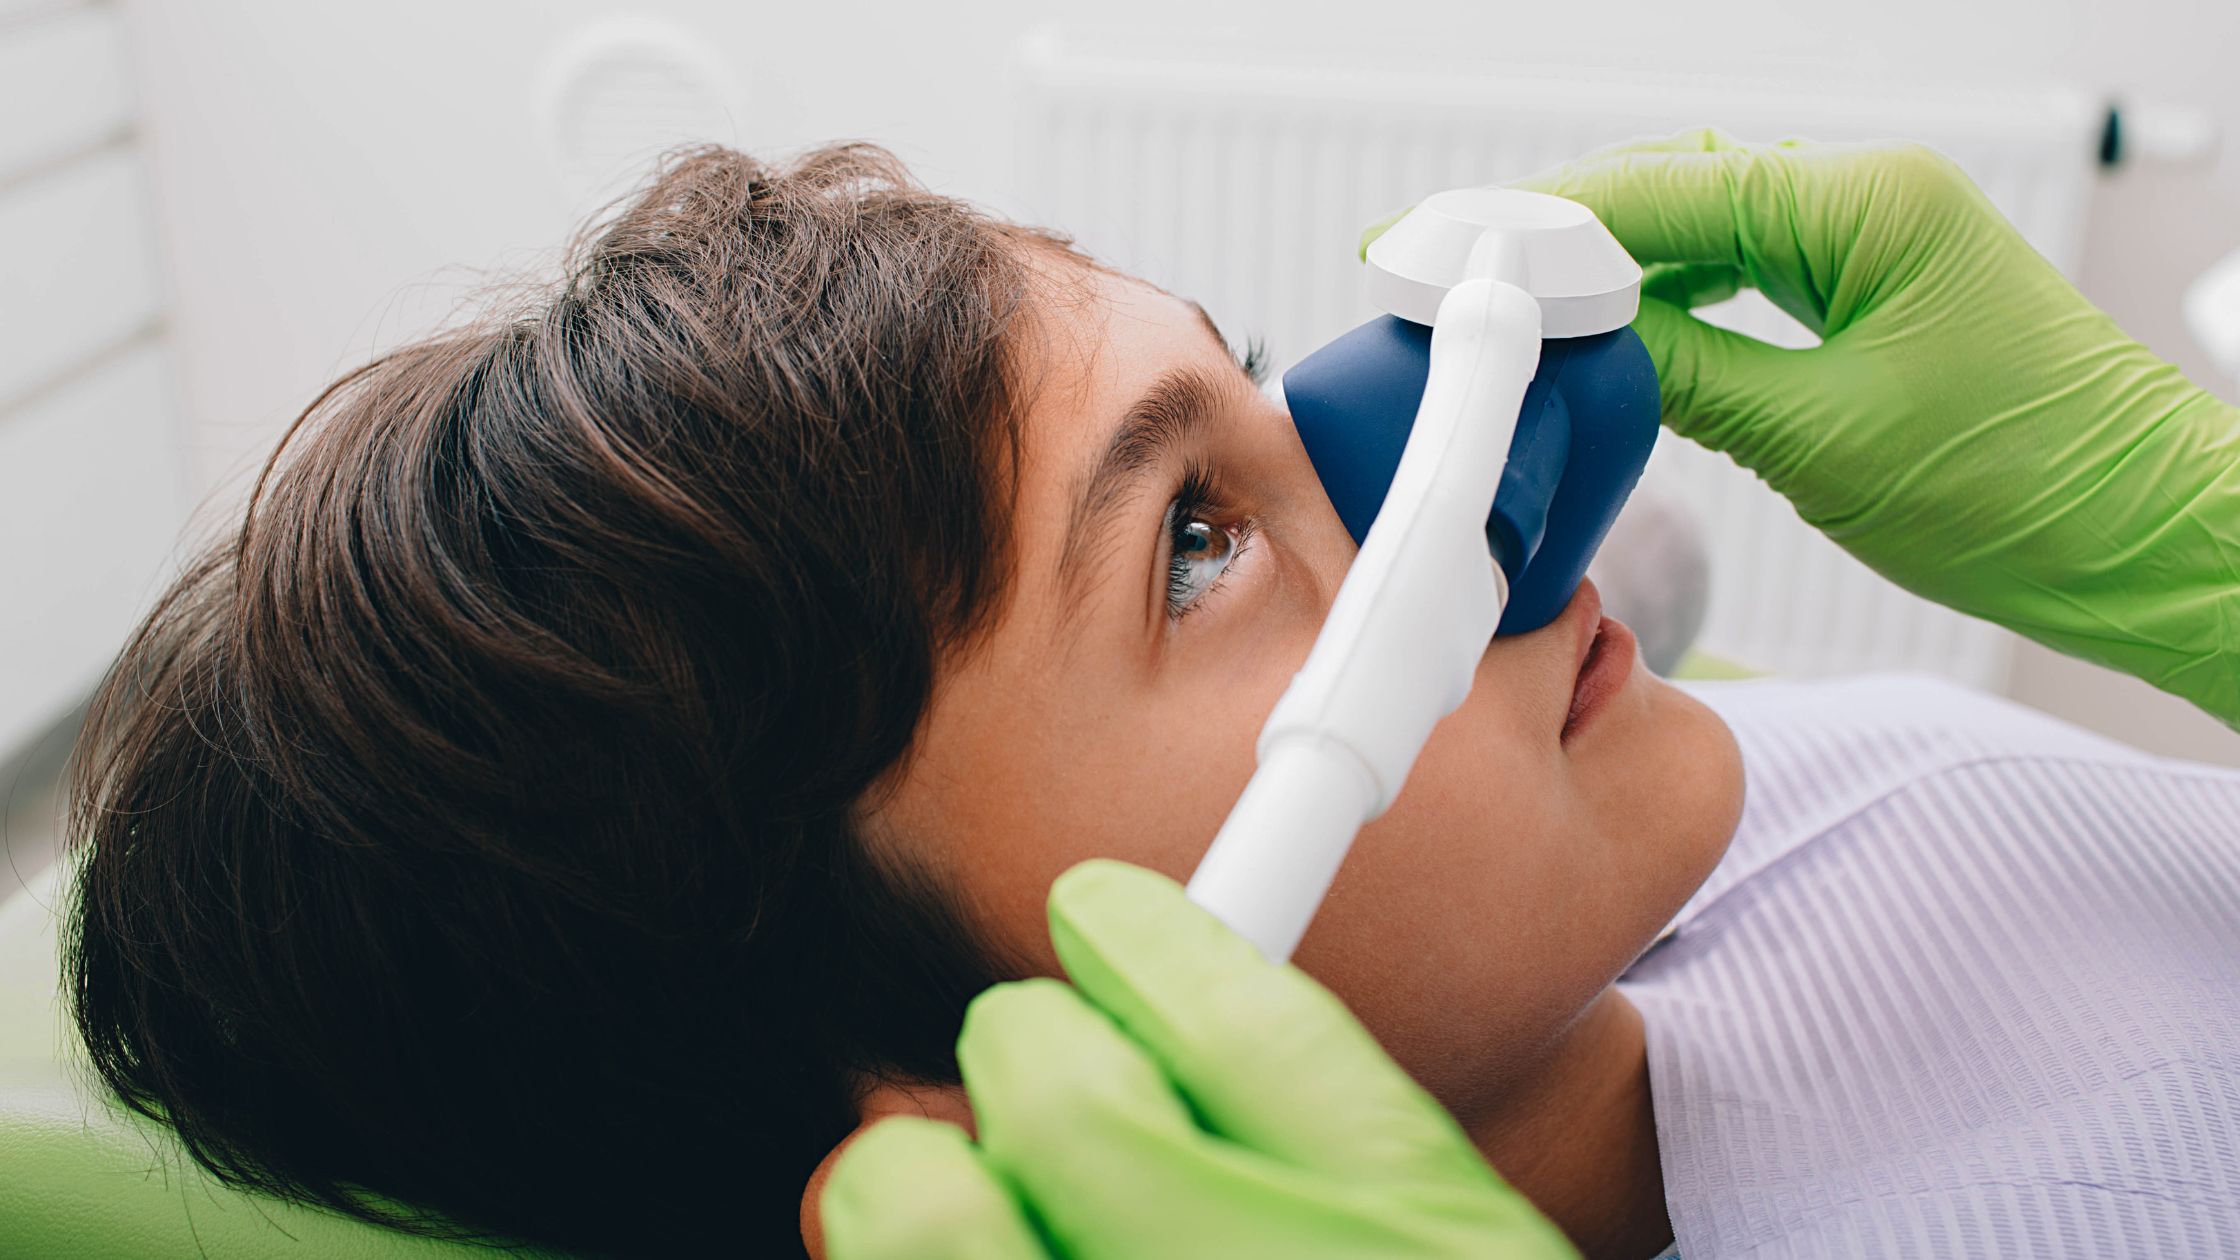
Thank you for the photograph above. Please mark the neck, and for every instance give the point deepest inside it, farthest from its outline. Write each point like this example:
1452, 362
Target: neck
1579, 1139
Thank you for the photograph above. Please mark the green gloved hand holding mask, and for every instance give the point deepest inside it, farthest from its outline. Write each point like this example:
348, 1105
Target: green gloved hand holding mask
1183, 1097
1970, 426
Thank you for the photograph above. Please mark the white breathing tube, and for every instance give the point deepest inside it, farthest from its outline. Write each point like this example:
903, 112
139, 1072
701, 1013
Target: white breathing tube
1412, 619
1404, 635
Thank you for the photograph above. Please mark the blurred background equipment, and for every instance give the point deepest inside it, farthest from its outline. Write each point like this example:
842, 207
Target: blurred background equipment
208, 211
2213, 313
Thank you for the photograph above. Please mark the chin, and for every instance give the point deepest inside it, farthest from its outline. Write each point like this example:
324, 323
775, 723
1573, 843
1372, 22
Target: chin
1668, 777
1704, 786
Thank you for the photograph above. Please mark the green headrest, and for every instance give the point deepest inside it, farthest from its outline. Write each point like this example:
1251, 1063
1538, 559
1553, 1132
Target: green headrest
80, 1183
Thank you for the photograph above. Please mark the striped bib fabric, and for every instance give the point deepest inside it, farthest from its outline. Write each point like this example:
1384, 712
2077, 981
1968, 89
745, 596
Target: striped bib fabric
1966, 984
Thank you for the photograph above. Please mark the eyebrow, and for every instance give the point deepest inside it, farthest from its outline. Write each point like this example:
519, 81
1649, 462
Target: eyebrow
1180, 403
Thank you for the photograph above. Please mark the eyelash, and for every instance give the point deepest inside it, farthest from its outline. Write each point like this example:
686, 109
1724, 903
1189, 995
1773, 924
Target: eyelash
1196, 500
1254, 360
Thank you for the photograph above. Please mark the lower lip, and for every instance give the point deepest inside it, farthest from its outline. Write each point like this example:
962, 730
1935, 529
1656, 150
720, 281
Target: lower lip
1609, 664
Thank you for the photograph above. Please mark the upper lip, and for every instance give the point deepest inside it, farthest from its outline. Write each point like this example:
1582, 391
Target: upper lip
1586, 606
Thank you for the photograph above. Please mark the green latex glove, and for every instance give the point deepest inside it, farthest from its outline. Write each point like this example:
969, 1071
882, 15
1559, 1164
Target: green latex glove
1971, 426
1183, 1098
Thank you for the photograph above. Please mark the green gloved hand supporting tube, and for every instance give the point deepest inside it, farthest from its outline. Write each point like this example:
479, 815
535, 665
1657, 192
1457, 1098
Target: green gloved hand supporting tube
1183, 1097
1970, 426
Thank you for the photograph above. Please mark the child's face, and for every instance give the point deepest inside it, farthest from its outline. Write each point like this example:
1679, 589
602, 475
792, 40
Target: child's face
1529, 858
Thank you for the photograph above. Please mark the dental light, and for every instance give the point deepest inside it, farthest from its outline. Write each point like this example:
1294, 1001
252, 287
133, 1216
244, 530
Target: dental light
1477, 441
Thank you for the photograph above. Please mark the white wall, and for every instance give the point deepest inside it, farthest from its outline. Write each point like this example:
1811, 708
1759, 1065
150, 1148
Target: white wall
327, 174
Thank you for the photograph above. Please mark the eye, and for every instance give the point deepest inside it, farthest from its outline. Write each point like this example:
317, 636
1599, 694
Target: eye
1197, 554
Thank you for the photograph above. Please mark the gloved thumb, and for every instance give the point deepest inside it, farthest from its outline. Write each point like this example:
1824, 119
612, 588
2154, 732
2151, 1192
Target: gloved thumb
1733, 393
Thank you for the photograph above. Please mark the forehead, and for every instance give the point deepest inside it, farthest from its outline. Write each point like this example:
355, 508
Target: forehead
1103, 339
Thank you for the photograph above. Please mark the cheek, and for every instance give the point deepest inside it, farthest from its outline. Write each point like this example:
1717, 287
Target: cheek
1107, 772
1692, 793
1666, 785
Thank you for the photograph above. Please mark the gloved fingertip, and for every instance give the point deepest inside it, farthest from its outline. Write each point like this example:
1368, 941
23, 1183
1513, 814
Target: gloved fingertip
1100, 898
1370, 233
1108, 917
918, 1148
1088, 887
1027, 1037
1011, 1002
912, 1187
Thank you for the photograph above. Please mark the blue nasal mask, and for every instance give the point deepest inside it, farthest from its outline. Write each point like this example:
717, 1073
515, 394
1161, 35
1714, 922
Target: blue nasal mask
1588, 423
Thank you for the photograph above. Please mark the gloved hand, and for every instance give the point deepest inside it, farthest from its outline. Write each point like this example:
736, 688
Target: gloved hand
1971, 426
1184, 1097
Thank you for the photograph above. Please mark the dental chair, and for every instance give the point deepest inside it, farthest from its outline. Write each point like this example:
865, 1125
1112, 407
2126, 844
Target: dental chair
78, 1182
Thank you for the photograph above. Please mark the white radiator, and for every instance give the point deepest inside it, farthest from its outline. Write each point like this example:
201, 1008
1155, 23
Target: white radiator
90, 463
1246, 186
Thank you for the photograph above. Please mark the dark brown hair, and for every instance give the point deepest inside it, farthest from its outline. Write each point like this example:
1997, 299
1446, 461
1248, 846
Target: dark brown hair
469, 841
